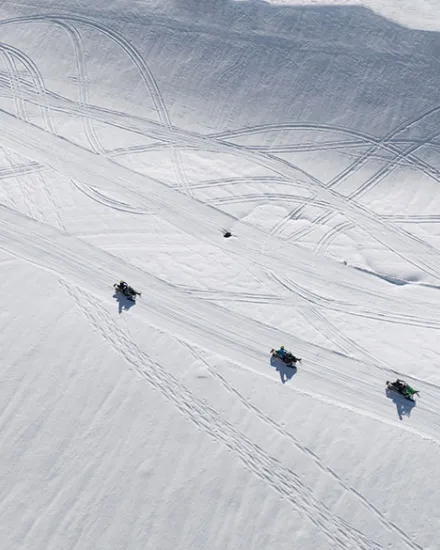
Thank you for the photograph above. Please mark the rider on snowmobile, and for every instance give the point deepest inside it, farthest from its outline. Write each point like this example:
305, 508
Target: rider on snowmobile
281, 352
123, 286
403, 388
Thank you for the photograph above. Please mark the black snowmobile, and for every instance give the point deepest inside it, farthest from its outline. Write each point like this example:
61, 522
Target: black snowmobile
127, 290
285, 356
400, 386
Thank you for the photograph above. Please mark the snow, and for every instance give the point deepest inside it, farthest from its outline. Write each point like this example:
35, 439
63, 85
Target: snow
133, 135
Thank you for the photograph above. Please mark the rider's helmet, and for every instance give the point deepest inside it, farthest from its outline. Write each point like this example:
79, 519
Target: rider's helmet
282, 347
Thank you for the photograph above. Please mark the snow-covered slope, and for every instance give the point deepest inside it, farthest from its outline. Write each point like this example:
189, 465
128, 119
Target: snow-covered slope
133, 135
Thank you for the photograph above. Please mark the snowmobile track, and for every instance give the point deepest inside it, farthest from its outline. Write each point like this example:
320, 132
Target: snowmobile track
116, 178
265, 467
405, 538
37, 79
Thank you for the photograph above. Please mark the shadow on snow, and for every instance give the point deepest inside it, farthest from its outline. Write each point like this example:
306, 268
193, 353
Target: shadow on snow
123, 302
286, 372
403, 406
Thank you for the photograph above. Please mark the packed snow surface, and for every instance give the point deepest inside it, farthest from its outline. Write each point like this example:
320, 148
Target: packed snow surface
133, 135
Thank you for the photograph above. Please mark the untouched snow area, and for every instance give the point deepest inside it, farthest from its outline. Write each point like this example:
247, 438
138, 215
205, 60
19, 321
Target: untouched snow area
132, 135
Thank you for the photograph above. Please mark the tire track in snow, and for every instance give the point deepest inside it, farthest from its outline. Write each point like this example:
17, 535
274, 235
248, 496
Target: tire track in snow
365, 502
295, 212
353, 349
340, 381
428, 218
26, 188
289, 298
406, 156
14, 83
140, 65
188, 214
367, 138
426, 258
404, 126
347, 307
255, 459
240, 180
383, 226
108, 202
363, 139
363, 213
391, 165
376, 144
331, 145
37, 79
21, 169
255, 197
304, 231
347, 346
331, 235
388, 143
82, 80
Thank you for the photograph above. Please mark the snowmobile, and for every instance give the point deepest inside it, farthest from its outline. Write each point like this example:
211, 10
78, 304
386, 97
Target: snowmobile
400, 386
127, 290
286, 356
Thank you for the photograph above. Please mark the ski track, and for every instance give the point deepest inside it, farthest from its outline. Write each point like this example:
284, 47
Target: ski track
265, 467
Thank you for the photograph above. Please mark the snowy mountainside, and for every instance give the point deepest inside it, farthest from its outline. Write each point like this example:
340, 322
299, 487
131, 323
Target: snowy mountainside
134, 134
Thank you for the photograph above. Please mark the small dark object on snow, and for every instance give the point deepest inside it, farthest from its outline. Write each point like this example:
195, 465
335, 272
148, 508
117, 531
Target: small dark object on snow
400, 386
128, 291
288, 358
227, 234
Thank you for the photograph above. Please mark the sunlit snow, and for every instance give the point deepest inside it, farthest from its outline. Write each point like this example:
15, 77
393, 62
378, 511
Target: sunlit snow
133, 137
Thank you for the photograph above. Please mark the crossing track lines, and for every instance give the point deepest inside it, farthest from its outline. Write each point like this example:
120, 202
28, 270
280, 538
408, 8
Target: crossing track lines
82, 80
192, 216
105, 200
306, 451
331, 235
37, 78
137, 60
259, 462
18, 170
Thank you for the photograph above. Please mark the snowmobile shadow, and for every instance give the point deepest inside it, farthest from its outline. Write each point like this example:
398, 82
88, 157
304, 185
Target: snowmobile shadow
123, 302
286, 372
403, 406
